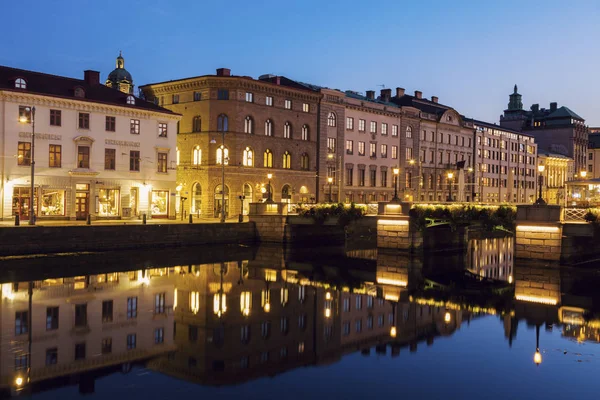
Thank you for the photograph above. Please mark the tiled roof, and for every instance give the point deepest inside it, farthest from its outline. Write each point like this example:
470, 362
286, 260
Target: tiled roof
64, 87
564, 112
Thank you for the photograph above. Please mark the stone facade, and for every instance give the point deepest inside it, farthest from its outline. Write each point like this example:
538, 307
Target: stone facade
558, 170
394, 233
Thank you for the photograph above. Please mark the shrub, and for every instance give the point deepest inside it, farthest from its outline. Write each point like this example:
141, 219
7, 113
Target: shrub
320, 212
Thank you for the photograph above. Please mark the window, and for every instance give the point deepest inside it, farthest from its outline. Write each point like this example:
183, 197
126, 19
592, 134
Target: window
162, 162
304, 162
134, 160
248, 125
265, 329
302, 293
175, 98
250, 97
384, 129
110, 124
21, 322
131, 100
197, 156
24, 153
80, 315
380, 320
373, 177
197, 96
106, 346
159, 335
159, 303
373, 150
80, 351
107, 311
56, 118
110, 159
162, 129
331, 119
331, 145
591, 156
305, 107
79, 92
51, 318
361, 148
349, 173
268, 159
55, 152
394, 152
223, 94
84, 121
222, 123
83, 156
20, 83
245, 334
349, 146
134, 126
359, 302
288, 104
131, 339
361, 177
362, 125
24, 114
370, 322
346, 304
248, 157
220, 153
269, 101
408, 132
287, 130
384, 151
287, 160
305, 132
383, 178
284, 325
268, 128
349, 123
409, 153
373, 127
51, 356
21, 362
358, 325
346, 328
197, 124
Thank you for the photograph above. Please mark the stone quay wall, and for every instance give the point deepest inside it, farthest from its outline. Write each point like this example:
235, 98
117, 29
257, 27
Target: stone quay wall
539, 241
395, 233
62, 239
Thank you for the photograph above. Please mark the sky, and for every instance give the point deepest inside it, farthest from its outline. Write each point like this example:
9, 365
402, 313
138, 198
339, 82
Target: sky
468, 53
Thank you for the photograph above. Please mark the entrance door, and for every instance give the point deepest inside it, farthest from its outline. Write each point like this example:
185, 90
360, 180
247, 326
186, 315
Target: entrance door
81, 205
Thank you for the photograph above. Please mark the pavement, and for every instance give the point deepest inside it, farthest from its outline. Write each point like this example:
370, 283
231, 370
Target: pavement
195, 220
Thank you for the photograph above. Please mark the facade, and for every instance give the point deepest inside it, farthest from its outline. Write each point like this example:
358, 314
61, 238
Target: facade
558, 170
506, 167
98, 152
557, 129
267, 126
593, 167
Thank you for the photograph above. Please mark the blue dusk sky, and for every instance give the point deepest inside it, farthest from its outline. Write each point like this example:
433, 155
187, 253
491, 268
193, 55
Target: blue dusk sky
468, 53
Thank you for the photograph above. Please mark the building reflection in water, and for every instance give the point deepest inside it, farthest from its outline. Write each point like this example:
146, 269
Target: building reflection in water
491, 257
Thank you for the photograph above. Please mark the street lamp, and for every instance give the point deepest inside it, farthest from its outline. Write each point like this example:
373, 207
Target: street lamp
396, 171
270, 196
540, 200
24, 119
450, 176
330, 181
470, 169
583, 174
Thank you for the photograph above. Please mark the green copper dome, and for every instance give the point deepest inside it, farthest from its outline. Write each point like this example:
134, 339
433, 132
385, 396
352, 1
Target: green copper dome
120, 78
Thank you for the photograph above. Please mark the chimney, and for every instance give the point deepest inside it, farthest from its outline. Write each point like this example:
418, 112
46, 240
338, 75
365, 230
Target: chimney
91, 77
535, 107
386, 94
434, 99
553, 106
418, 94
371, 94
223, 72
278, 80
399, 92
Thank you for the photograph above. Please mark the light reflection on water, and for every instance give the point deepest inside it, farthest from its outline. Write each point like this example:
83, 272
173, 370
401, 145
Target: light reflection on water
233, 317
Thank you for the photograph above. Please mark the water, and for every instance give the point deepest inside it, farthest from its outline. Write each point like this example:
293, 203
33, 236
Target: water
256, 323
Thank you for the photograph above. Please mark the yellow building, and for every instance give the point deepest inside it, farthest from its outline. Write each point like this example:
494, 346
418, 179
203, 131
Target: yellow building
558, 169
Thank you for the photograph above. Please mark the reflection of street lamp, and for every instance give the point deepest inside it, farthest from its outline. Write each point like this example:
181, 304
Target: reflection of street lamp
540, 200
583, 174
220, 298
450, 176
447, 317
393, 330
537, 357
396, 171
330, 181
270, 195
24, 119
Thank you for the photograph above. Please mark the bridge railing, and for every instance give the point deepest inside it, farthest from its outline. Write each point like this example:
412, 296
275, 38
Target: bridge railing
575, 214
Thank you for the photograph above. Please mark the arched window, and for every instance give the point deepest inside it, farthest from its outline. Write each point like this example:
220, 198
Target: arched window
305, 161
248, 125
268, 128
248, 158
287, 160
178, 153
408, 132
305, 132
220, 155
331, 120
268, 159
20, 83
196, 198
197, 124
286, 195
79, 92
197, 156
287, 130
222, 123
131, 100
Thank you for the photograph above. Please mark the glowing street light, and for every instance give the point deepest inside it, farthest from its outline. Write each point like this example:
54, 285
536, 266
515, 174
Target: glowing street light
583, 174
330, 181
540, 200
270, 194
447, 317
450, 176
396, 171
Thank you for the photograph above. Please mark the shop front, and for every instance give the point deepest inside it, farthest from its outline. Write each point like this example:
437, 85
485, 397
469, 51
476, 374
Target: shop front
159, 204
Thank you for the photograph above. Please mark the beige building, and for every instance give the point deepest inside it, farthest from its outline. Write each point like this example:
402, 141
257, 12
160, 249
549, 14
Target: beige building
558, 170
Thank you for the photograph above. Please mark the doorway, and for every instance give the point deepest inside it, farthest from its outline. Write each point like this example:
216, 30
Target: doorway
82, 201
219, 205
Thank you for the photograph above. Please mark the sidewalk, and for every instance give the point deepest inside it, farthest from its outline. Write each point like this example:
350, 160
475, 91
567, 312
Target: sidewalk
25, 223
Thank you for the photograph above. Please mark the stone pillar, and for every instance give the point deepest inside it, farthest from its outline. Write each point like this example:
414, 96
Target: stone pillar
538, 232
394, 228
269, 220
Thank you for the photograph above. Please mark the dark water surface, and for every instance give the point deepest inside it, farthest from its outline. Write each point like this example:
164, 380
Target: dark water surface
256, 323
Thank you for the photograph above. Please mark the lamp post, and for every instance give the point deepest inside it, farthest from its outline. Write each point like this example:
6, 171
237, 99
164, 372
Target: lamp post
270, 196
471, 174
396, 171
330, 181
24, 119
583, 174
450, 176
540, 200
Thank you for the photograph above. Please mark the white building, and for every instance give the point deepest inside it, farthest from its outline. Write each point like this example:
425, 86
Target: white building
98, 151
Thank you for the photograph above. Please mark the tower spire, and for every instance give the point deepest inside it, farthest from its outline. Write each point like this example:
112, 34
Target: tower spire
515, 102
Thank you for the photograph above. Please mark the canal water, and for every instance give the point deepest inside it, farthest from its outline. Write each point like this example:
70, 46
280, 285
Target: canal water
272, 323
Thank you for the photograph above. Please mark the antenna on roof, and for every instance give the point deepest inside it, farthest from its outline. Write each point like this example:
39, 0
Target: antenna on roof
382, 85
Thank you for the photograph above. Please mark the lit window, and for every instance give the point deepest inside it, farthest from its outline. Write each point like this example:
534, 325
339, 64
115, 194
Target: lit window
245, 303
287, 130
373, 127
162, 129
248, 125
394, 130
305, 107
178, 155
408, 132
197, 156
269, 101
331, 119
20, 83
248, 157
305, 132
130, 100
362, 125
288, 104
287, 160
384, 129
349, 123
268, 159
268, 128
220, 157
249, 97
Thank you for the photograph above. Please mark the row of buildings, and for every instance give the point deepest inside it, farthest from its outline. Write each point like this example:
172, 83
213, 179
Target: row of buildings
208, 144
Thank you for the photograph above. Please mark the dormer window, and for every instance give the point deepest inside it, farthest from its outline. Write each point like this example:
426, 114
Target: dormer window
79, 92
130, 100
449, 118
20, 83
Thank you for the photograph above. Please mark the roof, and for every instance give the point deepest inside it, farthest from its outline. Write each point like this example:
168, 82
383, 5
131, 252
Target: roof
64, 87
496, 126
594, 141
564, 112
547, 153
